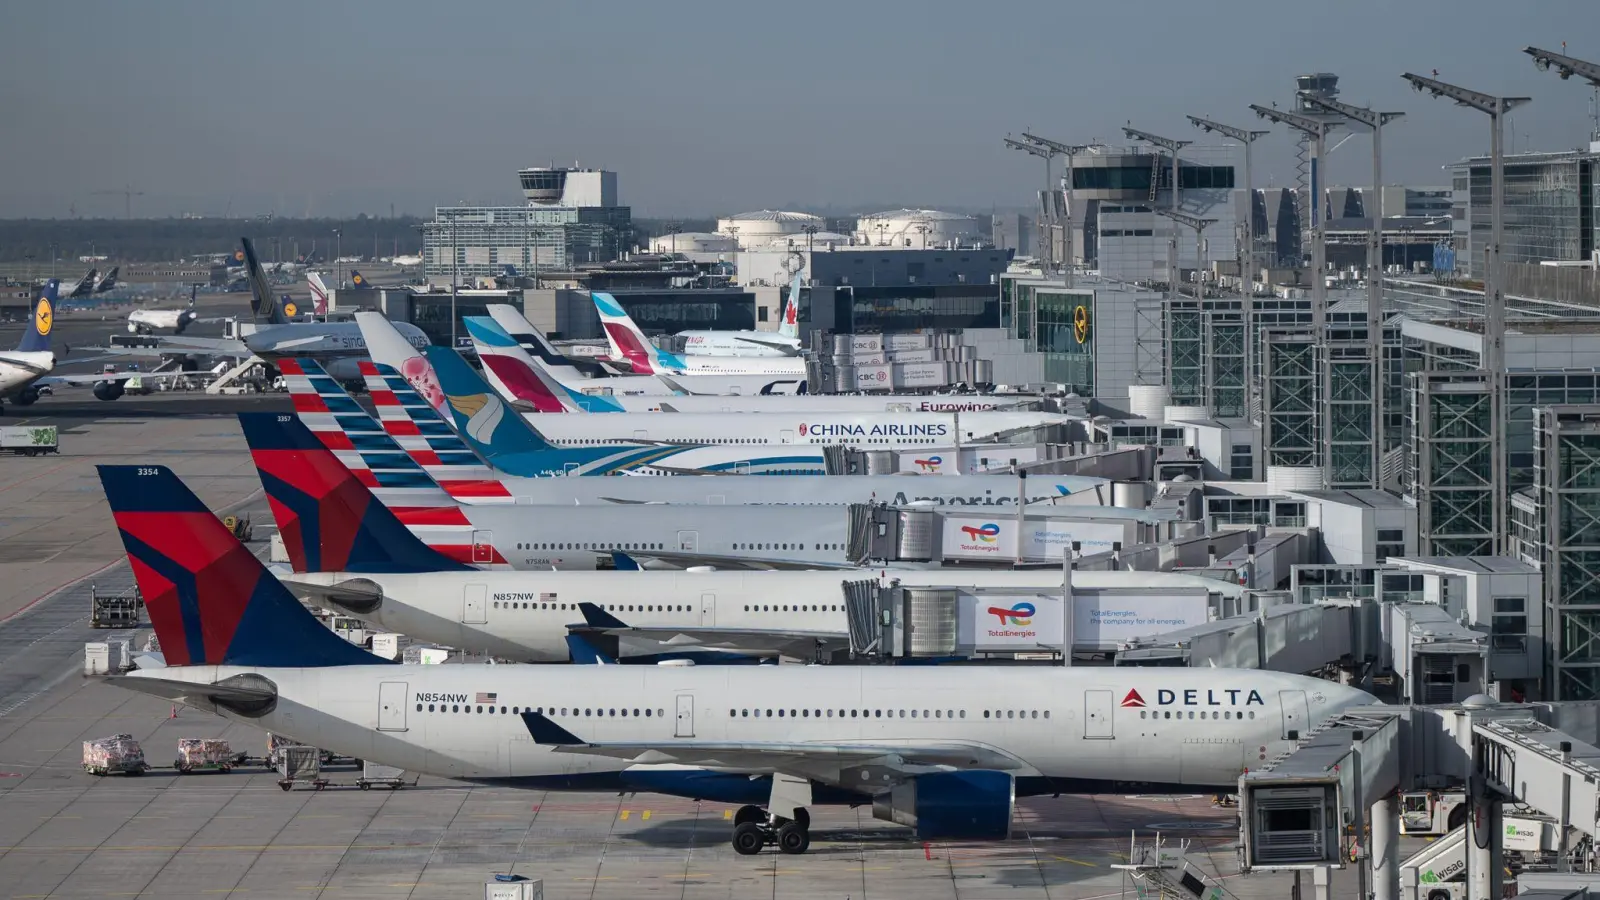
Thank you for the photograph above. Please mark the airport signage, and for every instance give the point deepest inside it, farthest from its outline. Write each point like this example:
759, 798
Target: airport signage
1103, 621
1021, 622
975, 537
1051, 538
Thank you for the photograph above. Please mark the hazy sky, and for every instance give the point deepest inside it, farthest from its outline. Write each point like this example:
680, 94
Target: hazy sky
714, 107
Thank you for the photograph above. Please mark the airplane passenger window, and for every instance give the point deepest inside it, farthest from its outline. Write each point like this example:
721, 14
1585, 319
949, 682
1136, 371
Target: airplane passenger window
502, 710
635, 713
514, 710
902, 714
419, 707
780, 713
647, 714
1141, 713
1011, 714
852, 714
454, 708
430, 707
563, 710
830, 713
1035, 714
1227, 715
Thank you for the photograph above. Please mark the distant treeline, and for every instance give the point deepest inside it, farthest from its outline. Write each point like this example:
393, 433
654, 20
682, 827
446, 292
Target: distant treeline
161, 240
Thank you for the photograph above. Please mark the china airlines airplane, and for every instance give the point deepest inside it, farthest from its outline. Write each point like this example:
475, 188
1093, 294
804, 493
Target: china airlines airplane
945, 751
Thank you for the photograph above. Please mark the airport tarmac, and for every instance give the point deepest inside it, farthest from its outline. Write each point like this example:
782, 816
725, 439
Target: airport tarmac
67, 834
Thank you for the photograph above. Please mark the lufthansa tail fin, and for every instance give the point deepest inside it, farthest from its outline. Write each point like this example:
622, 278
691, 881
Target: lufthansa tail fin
210, 599
262, 303
358, 280
329, 520
107, 282
36, 339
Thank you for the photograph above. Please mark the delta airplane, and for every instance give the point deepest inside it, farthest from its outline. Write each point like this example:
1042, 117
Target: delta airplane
518, 375
943, 750
784, 342
412, 459
628, 343
276, 336
298, 473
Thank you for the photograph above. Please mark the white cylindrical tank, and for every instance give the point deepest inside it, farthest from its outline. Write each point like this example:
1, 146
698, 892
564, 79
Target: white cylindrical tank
761, 228
1294, 478
693, 242
921, 228
1147, 401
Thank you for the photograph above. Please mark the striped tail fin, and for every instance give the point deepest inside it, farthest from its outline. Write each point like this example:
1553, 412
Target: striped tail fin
515, 374
429, 440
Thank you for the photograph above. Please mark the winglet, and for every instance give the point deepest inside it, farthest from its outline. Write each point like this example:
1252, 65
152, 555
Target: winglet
622, 562
596, 617
585, 653
548, 733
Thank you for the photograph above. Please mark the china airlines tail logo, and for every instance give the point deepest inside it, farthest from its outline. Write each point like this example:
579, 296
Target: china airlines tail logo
1133, 701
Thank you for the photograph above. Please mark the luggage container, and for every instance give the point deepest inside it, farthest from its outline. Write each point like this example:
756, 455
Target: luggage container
119, 753
302, 764
96, 658
386, 645
203, 755
27, 440
383, 776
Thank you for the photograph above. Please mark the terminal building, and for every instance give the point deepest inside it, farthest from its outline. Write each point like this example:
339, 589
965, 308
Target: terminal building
1552, 208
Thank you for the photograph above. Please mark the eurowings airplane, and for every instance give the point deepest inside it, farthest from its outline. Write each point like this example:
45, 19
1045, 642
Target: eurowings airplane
784, 342
519, 375
943, 750
629, 343
297, 471
338, 346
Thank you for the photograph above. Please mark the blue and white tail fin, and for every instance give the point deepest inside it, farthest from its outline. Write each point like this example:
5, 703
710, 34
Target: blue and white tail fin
106, 282
36, 338
211, 601
358, 280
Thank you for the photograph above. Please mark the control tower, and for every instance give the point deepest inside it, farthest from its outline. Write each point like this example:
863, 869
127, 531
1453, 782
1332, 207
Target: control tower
1323, 86
573, 188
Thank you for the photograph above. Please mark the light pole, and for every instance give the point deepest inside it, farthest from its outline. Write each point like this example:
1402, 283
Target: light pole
1375, 121
1069, 151
1044, 241
338, 258
1172, 146
1317, 129
1494, 299
1247, 260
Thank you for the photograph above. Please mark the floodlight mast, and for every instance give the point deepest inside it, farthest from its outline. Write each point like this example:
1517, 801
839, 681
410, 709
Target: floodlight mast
1199, 226
1375, 121
1494, 300
1069, 151
1247, 260
1317, 129
1046, 154
1565, 66
1172, 146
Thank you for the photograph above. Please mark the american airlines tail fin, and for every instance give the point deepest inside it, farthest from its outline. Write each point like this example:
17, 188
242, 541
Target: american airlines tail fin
319, 293
210, 599
329, 520
628, 342
267, 309
518, 376
106, 282
790, 328
417, 429
36, 339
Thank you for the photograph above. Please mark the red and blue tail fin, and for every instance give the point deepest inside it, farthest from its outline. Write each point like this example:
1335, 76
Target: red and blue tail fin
329, 521
211, 601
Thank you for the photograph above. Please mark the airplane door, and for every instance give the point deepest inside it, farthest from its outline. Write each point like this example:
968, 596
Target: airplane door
391, 706
483, 547
685, 724
689, 541
472, 604
640, 434
1097, 712
1296, 716
708, 609
786, 436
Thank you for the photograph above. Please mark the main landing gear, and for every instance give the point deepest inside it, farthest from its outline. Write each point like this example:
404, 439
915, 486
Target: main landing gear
754, 828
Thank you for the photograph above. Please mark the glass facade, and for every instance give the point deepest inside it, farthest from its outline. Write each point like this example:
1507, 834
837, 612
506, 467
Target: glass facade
669, 312
1549, 210
1566, 516
431, 313
913, 307
1137, 178
478, 241
1066, 337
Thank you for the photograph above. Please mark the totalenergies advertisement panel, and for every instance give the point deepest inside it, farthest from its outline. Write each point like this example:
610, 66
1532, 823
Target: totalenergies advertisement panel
975, 537
1021, 622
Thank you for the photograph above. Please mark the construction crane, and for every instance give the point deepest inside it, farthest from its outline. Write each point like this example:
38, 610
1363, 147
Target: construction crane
128, 194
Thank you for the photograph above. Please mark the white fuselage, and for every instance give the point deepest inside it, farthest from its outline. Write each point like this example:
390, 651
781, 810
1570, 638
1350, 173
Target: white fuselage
959, 492
18, 369
153, 320
738, 343
738, 365
797, 404
1077, 726
882, 430
524, 615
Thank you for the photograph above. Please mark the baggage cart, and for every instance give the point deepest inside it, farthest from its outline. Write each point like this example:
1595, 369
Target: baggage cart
299, 763
114, 610
383, 776
203, 755
29, 440
118, 754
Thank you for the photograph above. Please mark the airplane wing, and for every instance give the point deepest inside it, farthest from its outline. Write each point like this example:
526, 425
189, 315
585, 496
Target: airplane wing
837, 763
97, 377
789, 642
181, 344
674, 385
236, 691
784, 347
292, 343
685, 558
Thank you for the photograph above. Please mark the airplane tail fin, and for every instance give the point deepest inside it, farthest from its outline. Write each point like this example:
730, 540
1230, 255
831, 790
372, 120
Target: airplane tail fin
534, 343
210, 599
627, 341
791, 311
36, 339
585, 653
515, 374
416, 428
388, 347
107, 282
357, 279
262, 303
319, 293
82, 287
488, 424
329, 520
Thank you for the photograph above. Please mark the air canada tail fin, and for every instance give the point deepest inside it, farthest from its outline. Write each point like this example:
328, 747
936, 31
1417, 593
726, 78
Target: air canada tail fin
518, 376
790, 327
329, 521
266, 308
210, 599
36, 339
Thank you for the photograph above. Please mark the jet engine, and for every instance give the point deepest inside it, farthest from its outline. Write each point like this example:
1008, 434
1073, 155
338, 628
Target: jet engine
108, 390
973, 805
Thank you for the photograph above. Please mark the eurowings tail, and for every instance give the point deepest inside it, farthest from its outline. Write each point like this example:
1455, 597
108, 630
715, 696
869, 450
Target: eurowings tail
791, 311
36, 339
211, 601
518, 376
629, 343
329, 520
319, 293
107, 282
